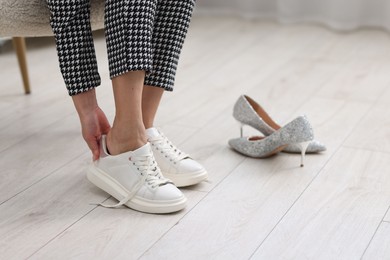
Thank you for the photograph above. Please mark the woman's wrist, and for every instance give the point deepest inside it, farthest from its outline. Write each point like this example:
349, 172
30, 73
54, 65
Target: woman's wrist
85, 103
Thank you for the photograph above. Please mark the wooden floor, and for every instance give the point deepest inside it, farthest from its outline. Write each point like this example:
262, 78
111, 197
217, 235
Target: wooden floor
336, 207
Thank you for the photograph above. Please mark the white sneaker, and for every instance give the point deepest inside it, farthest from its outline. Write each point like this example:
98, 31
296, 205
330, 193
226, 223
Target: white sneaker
174, 164
136, 181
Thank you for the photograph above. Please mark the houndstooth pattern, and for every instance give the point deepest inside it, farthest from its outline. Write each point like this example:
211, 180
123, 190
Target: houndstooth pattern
76, 52
128, 28
141, 35
170, 29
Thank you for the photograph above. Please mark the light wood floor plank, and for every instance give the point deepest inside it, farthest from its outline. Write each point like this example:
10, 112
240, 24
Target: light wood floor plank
38, 156
27, 123
30, 220
338, 214
114, 234
387, 217
373, 131
362, 80
380, 245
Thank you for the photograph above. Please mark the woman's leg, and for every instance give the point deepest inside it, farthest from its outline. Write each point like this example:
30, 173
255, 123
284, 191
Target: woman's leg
128, 29
128, 131
127, 169
151, 97
170, 29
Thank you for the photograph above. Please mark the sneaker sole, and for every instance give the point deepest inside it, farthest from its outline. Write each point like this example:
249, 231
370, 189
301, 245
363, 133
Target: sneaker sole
116, 190
186, 179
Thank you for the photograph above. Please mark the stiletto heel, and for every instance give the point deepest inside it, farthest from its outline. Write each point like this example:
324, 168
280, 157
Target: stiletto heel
241, 129
303, 147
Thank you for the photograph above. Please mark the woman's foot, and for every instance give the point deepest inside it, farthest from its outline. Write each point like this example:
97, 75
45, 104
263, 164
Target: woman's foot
135, 180
175, 164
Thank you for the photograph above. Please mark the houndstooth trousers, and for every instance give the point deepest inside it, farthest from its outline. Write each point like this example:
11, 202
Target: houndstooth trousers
140, 35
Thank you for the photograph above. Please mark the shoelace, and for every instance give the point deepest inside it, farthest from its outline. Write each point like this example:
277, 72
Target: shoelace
163, 145
150, 173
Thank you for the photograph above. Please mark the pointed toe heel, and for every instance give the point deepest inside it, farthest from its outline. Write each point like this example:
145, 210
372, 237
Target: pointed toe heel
298, 131
248, 112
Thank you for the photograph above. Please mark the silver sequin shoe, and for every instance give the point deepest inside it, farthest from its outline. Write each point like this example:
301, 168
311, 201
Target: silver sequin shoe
248, 112
298, 132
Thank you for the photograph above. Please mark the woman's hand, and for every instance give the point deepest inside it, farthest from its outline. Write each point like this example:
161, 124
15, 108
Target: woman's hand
93, 127
93, 121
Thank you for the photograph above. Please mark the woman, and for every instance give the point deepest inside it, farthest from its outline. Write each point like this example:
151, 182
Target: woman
144, 39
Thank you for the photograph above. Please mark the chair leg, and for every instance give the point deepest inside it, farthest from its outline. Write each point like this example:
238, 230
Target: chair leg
20, 47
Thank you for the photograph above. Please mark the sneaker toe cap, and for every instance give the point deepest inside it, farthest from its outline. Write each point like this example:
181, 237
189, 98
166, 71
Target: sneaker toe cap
189, 166
167, 192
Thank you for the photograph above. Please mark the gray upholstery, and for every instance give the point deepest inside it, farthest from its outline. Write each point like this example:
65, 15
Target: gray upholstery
31, 17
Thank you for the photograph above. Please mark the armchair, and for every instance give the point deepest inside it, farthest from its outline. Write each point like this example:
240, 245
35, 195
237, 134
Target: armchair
30, 18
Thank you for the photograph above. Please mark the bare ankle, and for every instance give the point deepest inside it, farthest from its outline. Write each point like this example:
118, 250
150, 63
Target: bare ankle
123, 141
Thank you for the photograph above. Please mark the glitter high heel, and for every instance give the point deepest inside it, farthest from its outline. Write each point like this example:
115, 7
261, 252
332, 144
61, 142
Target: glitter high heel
298, 131
248, 112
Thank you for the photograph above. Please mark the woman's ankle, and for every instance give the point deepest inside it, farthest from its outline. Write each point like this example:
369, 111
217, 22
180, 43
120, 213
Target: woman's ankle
123, 141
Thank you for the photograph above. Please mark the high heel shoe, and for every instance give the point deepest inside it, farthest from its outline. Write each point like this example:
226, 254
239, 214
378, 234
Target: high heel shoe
298, 131
248, 112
